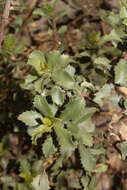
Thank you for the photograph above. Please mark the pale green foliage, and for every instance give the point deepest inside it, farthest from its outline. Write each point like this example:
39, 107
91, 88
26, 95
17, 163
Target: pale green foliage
46, 127
81, 135
48, 147
102, 63
87, 159
64, 79
25, 170
42, 105
110, 18
123, 148
56, 60
10, 42
36, 58
40, 182
77, 105
65, 140
121, 72
39, 131
57, 95
102, 94
29, 118
66, 93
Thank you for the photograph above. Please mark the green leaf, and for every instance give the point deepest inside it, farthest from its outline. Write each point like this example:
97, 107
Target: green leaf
64, 79
40, 182
10, 42
85, 181
25, 166
62, 30
36, 167
60, 14
100, 168
73, 181
57, 61
42, 105
78, 107
93, 183
25, 170
123, 147
114, 36
104, 92
39, 131
58, 163
1, 149
87, 125
48, 147
102, 63
87, 159
65, 140
36, 58
77, 3
121, 72
30, 78
38, 85
87, 114
71, 70
29, 118
99, 79
7, 181
123, 13
57, 95
110, 18
39, 11
54, 108
97, 151
29, 82
93, 36
81, 135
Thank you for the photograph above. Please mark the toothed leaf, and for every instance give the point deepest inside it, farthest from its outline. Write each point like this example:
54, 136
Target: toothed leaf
56, 60
65, 140
35, 60
25, 170
121, 73
40, 182
63, 79
81, 135
39, 131
102, 94
48, 147
42, 105
57, 95
123, 148
29, 118
58, 163
87, 114
87, 159
74, 109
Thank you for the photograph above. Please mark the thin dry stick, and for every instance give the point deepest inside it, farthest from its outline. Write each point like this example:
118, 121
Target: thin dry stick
55, 33
4, 19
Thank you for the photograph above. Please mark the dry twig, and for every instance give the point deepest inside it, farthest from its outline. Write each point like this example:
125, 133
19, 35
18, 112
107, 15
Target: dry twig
4, 20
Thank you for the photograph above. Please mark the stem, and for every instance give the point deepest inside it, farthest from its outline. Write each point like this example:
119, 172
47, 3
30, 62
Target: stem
55, 33
4, 21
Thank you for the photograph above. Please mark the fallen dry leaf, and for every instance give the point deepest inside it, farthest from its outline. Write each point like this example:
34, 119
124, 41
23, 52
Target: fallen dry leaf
115, 162
123, 90
123, 131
